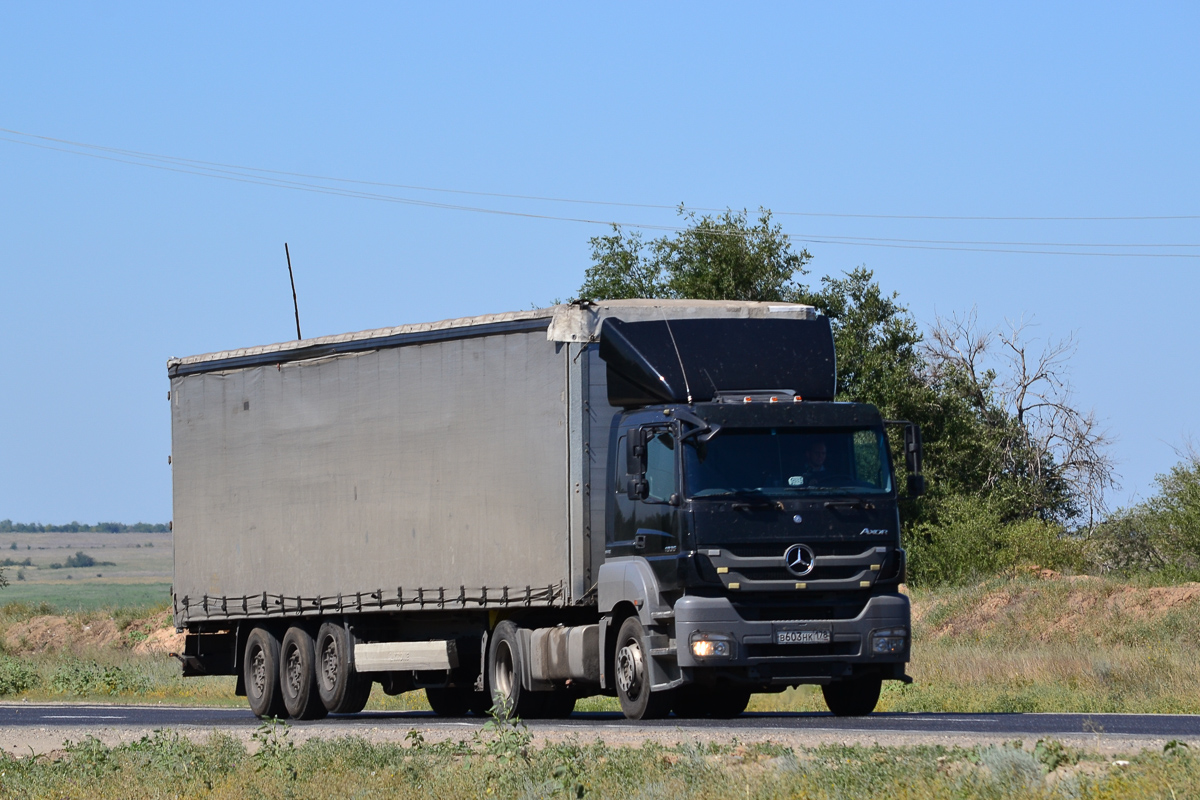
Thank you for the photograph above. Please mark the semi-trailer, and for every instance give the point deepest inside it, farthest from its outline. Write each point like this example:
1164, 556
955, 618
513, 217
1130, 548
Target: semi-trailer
657, 500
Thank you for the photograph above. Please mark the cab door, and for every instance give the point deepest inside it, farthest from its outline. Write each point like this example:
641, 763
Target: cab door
647, 521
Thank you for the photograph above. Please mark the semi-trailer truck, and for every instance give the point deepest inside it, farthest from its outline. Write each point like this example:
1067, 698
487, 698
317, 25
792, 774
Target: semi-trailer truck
657, 500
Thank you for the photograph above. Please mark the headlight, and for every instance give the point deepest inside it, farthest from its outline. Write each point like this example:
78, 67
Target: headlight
707, 645
889, 641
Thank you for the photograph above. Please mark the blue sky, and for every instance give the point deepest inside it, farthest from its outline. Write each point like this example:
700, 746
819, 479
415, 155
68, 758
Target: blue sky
107, 269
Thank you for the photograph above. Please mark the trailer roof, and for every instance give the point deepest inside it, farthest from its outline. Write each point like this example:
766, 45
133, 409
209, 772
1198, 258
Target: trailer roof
574, 322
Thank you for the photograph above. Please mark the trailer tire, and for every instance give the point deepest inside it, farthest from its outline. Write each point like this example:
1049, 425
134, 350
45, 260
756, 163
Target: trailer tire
632, 671
341, 688
852, 698
260, 672
298, 675
448, 702
506, 663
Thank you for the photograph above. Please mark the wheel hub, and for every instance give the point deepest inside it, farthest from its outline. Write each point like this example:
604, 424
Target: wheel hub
293, 671
630, 669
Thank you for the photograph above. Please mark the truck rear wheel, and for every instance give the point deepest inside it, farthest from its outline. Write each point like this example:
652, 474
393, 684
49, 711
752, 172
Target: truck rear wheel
506, 663
260, 672
298, 675
852, 698
342, 689
448, 702
632, 669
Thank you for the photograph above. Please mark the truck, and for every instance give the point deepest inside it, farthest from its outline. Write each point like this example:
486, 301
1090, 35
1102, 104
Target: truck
659, 500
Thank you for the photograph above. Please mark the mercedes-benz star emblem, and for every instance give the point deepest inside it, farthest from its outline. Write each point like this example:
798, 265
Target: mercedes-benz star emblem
799, 559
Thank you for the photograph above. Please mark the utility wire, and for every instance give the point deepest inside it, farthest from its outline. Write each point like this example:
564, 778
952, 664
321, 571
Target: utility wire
246, 175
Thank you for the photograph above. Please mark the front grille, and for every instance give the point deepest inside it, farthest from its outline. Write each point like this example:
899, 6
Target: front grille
781, 574
802, 607
801, 650
760, 550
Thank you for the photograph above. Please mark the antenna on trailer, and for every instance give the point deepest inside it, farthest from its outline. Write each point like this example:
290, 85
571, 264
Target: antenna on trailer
295, 303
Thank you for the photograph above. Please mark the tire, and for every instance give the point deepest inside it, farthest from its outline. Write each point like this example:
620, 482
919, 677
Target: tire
341, 688
729, 702
448, 702
689, 702
719, 702
480, 703
260, 673
852, 698
558, 705
298, 675
632, 671
505, 665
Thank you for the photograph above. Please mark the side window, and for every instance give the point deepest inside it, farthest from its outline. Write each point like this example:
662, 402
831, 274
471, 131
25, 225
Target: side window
660, 466
868, 459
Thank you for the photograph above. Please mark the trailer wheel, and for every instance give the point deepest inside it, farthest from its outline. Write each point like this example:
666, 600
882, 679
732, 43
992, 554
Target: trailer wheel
852, 698
448, 702
298, 675
342, 689
506, 659
632, 670
260, 672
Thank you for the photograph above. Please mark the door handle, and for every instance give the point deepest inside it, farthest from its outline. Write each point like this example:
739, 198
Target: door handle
639, 541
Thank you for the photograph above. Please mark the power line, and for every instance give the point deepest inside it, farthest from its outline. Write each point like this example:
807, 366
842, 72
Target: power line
551, 199
263, 178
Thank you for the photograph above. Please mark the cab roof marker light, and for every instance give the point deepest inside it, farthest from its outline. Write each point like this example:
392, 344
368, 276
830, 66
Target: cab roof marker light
774, 399
747, 399
797, 399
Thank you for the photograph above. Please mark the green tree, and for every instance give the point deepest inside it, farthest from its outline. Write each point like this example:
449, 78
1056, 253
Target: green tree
712, 258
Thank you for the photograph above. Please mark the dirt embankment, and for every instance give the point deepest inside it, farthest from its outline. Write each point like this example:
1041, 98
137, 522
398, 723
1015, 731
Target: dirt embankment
1052, 607
55, 634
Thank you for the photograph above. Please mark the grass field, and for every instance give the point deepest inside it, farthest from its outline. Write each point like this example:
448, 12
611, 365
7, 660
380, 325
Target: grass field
89, 595
132, 570
499, 761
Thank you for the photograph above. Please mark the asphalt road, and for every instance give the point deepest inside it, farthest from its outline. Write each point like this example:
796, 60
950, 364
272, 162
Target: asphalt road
16, 716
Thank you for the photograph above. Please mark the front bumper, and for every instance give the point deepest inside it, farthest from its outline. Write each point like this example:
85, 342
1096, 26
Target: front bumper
755, 654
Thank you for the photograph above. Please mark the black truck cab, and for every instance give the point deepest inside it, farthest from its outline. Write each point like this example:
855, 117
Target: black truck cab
755, 535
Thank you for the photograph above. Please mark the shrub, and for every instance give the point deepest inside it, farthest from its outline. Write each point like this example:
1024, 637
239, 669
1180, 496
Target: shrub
88, 677
17, 677
968, 540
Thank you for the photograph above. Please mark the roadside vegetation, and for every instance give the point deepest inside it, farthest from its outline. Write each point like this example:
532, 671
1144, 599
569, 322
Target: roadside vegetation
499, 760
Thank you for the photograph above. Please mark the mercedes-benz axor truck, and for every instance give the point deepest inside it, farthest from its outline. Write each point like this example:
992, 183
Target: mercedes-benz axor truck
657, 500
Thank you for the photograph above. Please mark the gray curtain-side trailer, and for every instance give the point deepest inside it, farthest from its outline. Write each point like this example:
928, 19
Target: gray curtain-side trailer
409, 505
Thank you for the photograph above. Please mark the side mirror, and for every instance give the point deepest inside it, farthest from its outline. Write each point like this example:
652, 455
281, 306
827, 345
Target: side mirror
912, 447
635, 451
637, 487
916, 485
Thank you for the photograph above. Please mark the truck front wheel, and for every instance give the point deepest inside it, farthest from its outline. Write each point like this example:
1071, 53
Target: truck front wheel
632, 670
852, 698
260, 671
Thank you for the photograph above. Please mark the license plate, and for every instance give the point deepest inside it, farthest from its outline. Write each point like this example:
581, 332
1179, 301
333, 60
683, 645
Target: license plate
802, 637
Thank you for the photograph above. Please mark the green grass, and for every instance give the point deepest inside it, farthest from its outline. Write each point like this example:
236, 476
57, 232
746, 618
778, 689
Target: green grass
499, 761
89, 595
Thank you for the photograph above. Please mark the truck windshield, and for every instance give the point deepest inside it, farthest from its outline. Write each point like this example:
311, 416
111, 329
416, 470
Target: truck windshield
788, 462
